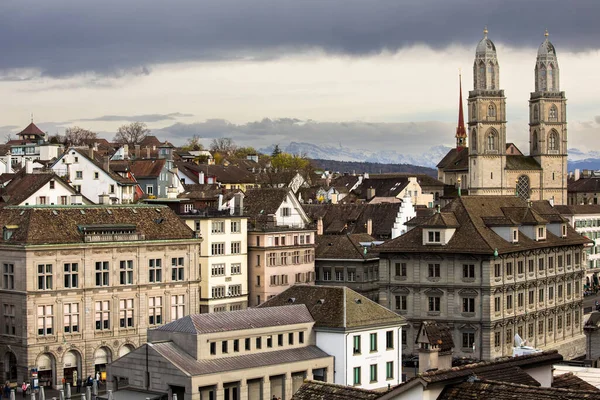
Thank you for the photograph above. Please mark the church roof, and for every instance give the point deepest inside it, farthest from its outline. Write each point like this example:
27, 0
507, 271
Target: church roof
485, 45
521, 163
546, 48
455, 160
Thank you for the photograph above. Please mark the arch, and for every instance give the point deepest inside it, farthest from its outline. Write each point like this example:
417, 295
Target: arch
534, 141
491, 140
491, 111
536, 112
125, 349
491, 75
474, 140
553, 140
553, 113
72, 366
542, 78
550, 77
46, 365
473, 111
523, 187
10, 366
481, 75
102, 356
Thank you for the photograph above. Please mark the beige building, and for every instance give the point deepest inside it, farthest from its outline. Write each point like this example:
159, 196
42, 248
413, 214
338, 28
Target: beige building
281, 247
488, 166
81, 285
489, 267
251, 354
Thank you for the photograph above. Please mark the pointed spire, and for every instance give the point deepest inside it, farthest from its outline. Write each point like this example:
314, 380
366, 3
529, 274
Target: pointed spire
461, 133
485, 31
546, 33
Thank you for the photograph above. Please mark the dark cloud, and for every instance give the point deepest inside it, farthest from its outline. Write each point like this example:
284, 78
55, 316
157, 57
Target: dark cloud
139, 118
115, 37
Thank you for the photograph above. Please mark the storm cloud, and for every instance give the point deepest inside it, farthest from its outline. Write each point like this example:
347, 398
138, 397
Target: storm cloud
63, 38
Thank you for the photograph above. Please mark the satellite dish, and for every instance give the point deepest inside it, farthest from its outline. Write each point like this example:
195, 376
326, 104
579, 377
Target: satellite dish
519, 342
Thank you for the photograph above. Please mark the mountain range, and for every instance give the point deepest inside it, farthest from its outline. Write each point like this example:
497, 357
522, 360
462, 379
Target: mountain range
577, 158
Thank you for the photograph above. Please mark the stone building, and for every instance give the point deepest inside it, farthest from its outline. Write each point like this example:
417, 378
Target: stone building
489, 267
80, 285
487, 166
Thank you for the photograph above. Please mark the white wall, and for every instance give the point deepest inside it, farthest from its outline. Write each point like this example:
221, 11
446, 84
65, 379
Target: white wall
52, 195
296, 218
541, 374
334, 344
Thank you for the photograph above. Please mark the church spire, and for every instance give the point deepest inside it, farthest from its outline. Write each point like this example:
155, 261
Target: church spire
461, 133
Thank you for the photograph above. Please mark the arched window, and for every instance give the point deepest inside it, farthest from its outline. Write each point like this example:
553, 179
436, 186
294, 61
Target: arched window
491, 140
523, 187
491, 111
534, 141
474, 112
550, 78
553, 113
536, 113
542, 78
553, 141
474, 140
481, 76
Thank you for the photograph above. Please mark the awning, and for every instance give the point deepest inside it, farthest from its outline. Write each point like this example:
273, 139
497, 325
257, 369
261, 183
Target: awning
101, 356
44, 362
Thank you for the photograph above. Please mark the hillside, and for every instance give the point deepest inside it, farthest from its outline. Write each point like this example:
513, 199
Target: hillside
370, 167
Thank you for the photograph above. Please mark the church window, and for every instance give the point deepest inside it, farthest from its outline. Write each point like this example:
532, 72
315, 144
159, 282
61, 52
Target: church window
534, 141
523, 187
550, 78
553, 141
542, 74
491, 113
473, 112
474, 140
481, 76
553, 113
491, 76
536, 113
491, 141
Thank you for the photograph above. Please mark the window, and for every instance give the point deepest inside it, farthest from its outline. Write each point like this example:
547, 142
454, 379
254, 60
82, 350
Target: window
560, 291
339, 274
550, 263
126, 313
102, 315
155, 270
434, 237
71, 317
44, 276
469, 271
218, 227
531, 265
9, 320
509, 301
126, 272
71, 276
468, 339
300, 337
177, 269
497, 304
541, 232
373, 342
234, 290
8, 276
550, 293
357, 375
568, 260
308, 254
77, 188
52, 184
520, 300
259, 343
177, 307
373, 372
224, 348
497, 270
45, 320
213, 348
96, 175
280, 340
553, 113
401, 303
491, 141
218, 292
326, 274
236, 345
111, 189
351, 275
531, 298
78, 174
520, 269
236, 269
64, 201
291, 338
569, 291
217, 270
509, 269
272, 259
296, 257
236, 247
434, 304
269, 342
389, 340
553, 141
541, 295
434, 270
356, 344
491, 111
150, 190
247, 344
559, 322
468, 304
509, 336
236, 227
389, 370
155, 310
217, 249
400, 269
497, 339
286, 212
530, 332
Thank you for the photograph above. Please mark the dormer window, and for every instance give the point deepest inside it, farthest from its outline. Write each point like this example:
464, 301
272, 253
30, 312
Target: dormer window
564, 230
434, 237
541, 233
515, 235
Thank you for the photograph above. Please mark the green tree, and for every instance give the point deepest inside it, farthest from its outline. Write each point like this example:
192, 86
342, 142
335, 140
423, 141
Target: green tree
243, 152
276, 151
193, 143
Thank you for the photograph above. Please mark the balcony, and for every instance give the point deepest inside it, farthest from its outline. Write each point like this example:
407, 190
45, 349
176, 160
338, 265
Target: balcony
115, 237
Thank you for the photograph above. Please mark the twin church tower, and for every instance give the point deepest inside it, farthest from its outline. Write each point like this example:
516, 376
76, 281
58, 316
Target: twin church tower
486, 164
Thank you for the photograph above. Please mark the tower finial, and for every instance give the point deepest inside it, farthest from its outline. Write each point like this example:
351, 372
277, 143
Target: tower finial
31, 117
546, 33
461, 133
485, 31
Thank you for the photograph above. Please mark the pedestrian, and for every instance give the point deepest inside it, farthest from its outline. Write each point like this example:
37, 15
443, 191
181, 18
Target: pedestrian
78, 385
7, 390
24, 389
98, 376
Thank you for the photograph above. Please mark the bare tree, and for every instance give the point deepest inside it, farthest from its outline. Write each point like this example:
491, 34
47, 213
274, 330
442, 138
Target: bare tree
8, 137
76, 136
193, 143
132, 134
223, 145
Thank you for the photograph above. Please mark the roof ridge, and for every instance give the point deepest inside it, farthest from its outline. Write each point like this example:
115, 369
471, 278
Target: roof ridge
543, 388
471, 220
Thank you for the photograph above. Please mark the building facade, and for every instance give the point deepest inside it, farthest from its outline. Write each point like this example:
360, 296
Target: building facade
82, 285
489, 267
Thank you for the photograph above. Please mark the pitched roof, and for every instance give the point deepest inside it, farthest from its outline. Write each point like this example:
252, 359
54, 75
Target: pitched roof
99, 162
573, 382
437, 334
264, 201
250, 318
518, 162
345, 247
62, 224
509, 391
22, 186
188, 364
509, 374
581, 209
318, 390
474, 236
147, 168
585, 184
32, 129
207, 192
455, 160
224, 174
336, 307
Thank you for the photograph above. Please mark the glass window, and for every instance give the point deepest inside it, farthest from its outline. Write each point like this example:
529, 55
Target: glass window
155, 310
373, 341
126, 313
389, 370
357, 375
44, 276
102, 309
155, 270
71, 275
126, 272
177, 307
356, 344
373, 372
45, 316
177, 269
8, 276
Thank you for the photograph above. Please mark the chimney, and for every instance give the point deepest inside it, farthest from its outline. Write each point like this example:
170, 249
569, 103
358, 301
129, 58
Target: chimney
370, 193
137, 151
201, 177
334, 198
9, 162
320, 226
238, 204
220, 205
91, 152
369, 226
95, 146
125, 151
104, 199
106, 165
28, 167
172, 192
551, 201
147, 152
577, 174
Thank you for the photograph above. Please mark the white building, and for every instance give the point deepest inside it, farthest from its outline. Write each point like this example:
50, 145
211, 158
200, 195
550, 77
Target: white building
364, 337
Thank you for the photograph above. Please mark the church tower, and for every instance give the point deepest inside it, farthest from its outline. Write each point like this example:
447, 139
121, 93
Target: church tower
487, 123
461, 133
548, 125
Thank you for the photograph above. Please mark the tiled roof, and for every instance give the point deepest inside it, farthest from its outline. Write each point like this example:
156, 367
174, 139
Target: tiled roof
343, 247
250, 318
336, 307
150, 140
97, 160
455, 160
318, 390
507, 391
438, 334
586, 185
579, 209
522, 163
442, 220
474, 236
32, 129
207, 192
264, 201
227, 175
61, 225
573, 382
22, 186
508, 374
147, 168
188, 364
422, 179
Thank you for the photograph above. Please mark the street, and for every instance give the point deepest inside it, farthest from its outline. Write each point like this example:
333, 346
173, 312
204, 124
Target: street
589, 303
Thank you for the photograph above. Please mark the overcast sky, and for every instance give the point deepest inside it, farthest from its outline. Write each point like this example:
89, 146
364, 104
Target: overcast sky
258, 70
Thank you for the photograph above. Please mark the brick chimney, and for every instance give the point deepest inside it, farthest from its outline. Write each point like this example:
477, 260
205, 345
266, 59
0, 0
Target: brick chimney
320, 226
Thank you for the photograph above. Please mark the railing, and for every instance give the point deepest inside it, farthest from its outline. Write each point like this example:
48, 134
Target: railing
126, 237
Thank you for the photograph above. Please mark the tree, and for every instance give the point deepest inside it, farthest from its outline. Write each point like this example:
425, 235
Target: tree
243, 152
193, 143
132, 134
223, 145
276, 151
76, 136
287, 161
8, 137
